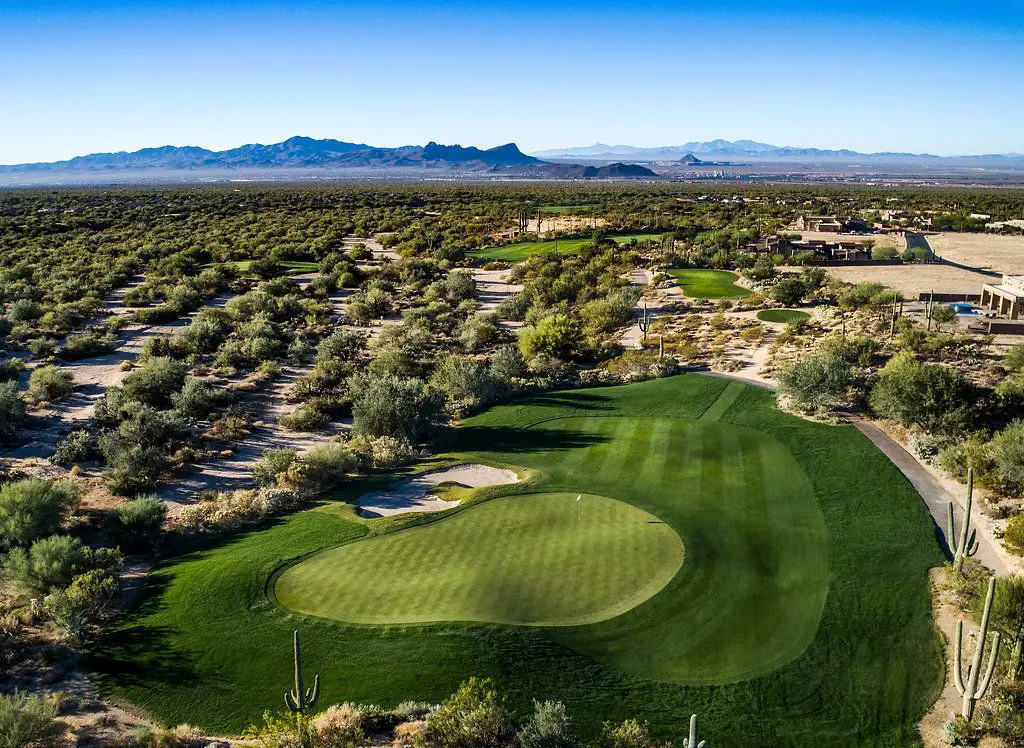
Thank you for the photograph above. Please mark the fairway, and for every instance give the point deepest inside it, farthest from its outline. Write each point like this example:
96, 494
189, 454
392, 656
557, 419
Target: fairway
540, 559
782, 315
796, 609
524, 250
709, 284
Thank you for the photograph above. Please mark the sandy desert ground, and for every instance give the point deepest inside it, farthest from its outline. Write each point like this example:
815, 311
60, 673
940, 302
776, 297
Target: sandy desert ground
1004, 254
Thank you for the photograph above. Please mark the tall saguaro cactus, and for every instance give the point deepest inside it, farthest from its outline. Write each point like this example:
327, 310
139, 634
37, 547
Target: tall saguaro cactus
301, 698
644, 322
691, 742
966, 544
973, 690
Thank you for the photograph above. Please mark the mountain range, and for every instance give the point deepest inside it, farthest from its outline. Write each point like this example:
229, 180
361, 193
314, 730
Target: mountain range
310, 154
747, 150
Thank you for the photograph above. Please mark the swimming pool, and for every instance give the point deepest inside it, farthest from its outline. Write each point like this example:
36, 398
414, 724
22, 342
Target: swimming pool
964, 308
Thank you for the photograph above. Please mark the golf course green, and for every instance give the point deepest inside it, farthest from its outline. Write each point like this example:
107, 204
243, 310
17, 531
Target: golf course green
782, 315
701, 283
524, 250
725, 558
543, 559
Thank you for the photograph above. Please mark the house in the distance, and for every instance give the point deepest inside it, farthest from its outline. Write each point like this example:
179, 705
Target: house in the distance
822, 224
1004, 299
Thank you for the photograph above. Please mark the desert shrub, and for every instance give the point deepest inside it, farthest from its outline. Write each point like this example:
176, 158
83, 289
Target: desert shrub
327, 466
548, 727
466, 383
74, 449
41, 348
884, 252
514, 307
13, 410
29, 720
274, 465
1013, 537
936, 398
11, 368
391, 361
972, 452
394, 406
472, 717
557, 336
941, 314
639, 365
856, 349
52, 563
479, 332
629, 734
340, 726
813, 278
915, 254
308, 418
343, 345
381, 452
204, 334
507, 365
83, 601
155, 381
87, 345
135, 525
195, 400
814, 381
180, 736
603, 316
136, 450
860, 295
789, 291
287, 731
227, 511
50, 384
24, 310
33, 508
1007, 452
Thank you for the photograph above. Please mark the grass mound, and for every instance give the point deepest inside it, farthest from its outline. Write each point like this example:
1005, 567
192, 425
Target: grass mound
801, 614
709, 284
782, 315
540, 559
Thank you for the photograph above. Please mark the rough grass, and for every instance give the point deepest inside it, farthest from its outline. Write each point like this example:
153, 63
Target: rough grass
782, 315
524, 250
709, 284
540, 559
207, 645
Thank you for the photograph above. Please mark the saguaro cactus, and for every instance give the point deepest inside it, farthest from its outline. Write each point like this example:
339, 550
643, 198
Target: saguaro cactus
966, 544
691, 742
974, 690
644, 322
301, 698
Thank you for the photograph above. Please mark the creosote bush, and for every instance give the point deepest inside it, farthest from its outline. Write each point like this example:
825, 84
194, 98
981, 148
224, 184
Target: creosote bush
50, 384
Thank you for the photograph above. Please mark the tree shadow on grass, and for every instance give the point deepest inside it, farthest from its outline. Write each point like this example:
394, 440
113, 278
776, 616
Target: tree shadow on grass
508, 439
577, 400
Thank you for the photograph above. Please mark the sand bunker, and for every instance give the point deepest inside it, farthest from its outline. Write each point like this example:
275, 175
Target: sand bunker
412, 494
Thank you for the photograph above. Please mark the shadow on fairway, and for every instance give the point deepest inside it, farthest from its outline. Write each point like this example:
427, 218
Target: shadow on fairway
518, 440
578, 400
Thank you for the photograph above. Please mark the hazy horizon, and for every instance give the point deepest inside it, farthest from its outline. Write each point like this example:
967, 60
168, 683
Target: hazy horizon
84, 77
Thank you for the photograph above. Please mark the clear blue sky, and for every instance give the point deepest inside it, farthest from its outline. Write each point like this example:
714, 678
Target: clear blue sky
79, 76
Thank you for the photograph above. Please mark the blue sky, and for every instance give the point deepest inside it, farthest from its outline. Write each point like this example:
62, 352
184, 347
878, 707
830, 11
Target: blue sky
79, 76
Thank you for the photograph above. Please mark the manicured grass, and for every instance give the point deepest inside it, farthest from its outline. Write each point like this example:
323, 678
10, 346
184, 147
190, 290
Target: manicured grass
709, 284
801, 614
293, 266
524, 250
540, 559
782, 315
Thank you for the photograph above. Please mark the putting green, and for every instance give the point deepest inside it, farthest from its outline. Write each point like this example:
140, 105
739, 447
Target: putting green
709, 284
782, 315
540, 559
